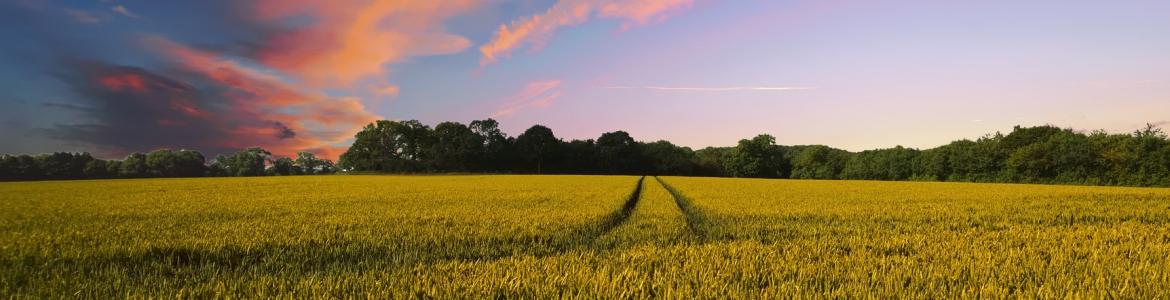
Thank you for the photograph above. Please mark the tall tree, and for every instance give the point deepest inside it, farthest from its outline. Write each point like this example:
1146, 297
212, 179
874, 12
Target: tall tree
388, 146
495, 144
536, 146
455, 148
618, 153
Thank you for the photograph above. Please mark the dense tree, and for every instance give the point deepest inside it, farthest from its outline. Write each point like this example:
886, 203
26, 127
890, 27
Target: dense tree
247, 162
537, 146
375, 148
308, 163
455, 148
62, 165
97, 169
1044, 154
493, 155
618, 153
712, 161
885, 164
134, 165
170, 163
579, 157
665, 158
416, 139
21, 167
819, 162
758, 157
282, 166
113, 168
388, 146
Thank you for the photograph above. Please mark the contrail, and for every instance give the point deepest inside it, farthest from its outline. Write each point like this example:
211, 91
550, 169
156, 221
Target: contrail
714, 89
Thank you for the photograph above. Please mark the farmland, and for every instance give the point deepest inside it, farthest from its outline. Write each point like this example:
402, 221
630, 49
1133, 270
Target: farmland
578, 236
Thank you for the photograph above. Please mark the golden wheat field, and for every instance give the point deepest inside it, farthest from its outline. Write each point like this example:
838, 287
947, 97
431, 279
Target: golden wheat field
518, 236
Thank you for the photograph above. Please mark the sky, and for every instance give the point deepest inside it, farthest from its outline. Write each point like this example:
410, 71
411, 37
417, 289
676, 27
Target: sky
112, 77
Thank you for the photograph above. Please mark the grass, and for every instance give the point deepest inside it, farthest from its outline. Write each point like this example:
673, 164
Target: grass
578, 236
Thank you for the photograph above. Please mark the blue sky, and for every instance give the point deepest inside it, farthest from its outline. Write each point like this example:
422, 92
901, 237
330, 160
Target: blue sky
305, 74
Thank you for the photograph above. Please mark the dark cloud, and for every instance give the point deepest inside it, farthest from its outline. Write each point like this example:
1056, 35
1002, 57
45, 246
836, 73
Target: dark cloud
138, 110
189, 82
283, 132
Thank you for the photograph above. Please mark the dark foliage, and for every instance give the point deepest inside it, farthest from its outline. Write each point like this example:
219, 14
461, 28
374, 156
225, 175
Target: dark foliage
1044, 154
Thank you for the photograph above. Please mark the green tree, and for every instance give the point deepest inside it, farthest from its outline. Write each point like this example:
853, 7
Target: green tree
758, 157
884, 164
282, 166
712, 161
96, 169
247, 162
819, 162
113, 168
308, 163
388, 146
134, 165
665, 158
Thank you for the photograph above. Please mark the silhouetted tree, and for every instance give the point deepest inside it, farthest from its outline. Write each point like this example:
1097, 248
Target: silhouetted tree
455, 147
493, 155
665, 158
536, 146
618, 153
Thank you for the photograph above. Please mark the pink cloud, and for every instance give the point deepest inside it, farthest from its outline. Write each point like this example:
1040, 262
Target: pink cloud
124, 11
350, 40
306, 120
534, 31
536, 94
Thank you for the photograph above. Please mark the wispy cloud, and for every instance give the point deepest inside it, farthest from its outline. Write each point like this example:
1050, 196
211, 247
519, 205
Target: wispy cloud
124, 11
534, 31
535, 94
712, 89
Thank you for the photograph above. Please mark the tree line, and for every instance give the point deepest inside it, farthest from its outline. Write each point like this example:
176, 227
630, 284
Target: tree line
1042, 154
159, 163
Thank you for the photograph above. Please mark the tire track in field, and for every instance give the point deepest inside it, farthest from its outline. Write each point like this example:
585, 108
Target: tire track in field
697, 221
328, 254
615, 219
656, 220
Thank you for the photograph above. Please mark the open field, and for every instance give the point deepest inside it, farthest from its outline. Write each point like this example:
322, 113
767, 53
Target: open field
589, 236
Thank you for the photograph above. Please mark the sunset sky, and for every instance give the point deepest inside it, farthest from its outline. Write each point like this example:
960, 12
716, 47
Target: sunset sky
112, 77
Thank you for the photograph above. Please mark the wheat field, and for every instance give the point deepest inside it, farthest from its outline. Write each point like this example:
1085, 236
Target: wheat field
521, 236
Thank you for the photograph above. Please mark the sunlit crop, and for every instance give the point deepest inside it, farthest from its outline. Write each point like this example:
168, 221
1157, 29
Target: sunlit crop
578, 236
